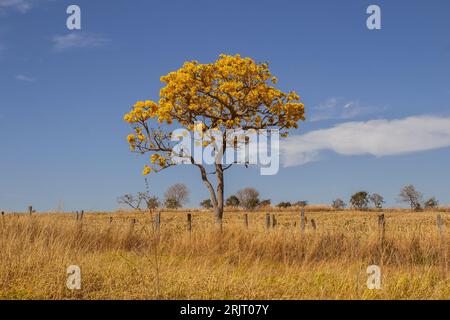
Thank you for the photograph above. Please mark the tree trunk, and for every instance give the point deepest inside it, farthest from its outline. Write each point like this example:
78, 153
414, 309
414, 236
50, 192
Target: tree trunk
219, 196
217, 200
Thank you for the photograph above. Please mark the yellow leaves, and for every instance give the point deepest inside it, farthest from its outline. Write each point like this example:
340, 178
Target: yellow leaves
146, 170
232, 92
141, 111
193, 106
230, 86
200, 127
292, 96
221, 91
152, 106
139, 104
162, 162
132, 141
229, 123
154, 158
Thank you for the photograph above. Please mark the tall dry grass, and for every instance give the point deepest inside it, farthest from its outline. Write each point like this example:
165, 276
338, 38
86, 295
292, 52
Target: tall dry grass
121, 261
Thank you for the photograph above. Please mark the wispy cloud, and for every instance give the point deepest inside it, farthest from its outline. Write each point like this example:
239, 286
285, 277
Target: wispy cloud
375, 137
21, 6
22, 77
339, 108
77, 40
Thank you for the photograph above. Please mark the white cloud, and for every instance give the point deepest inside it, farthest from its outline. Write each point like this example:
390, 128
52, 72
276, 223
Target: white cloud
77, 40
21, 6
22, 77
339, 108
375, 137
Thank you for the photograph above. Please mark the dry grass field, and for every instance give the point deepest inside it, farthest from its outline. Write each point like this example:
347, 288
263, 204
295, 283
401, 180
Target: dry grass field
119, 260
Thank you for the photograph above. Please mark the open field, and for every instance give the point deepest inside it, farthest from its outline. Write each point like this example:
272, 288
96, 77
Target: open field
122, 260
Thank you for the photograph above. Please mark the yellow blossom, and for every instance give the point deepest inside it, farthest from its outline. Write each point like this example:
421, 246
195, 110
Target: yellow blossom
146, 170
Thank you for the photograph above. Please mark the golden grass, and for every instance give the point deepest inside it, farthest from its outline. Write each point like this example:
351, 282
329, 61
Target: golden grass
121, 262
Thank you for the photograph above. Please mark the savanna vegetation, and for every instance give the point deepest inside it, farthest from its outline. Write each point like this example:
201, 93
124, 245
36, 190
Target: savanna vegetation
123, 256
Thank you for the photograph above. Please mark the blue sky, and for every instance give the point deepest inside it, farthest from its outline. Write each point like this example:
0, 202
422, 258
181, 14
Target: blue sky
63, 95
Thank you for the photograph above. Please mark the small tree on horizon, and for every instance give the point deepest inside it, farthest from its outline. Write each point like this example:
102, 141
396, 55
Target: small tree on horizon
360, 200
431, 203
248, 198
206, 204
151, 202
130, 200
172, 204
410, 195
377, 200
265, 203
284, 204
301, 203
338, 204
232, 201
176, 196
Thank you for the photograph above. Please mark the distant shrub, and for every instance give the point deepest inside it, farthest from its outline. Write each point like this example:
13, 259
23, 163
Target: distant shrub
265, 203
360, 200
232, 201
377, 200
284, 205
207, 204
302, 203
151, 202
176, 196
410, 195
172, 203
338, 204
130, 200
248, 198
431, 203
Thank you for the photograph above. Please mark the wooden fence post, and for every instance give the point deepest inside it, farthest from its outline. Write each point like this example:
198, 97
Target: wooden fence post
313, 224
110, 220
30, 210
79, 224
267, 220
302, 220
246, 220
443, 245
81, 214
440, 225
381, 228
274, 221
157, 221
189, 222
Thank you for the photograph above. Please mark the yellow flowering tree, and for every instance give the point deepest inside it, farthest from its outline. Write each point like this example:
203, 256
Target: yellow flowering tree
231, 93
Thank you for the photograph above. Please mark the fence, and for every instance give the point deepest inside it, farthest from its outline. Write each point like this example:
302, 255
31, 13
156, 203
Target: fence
270, 222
